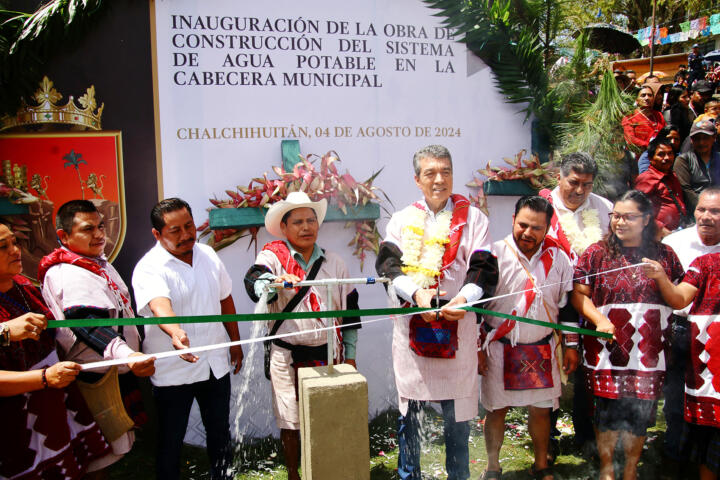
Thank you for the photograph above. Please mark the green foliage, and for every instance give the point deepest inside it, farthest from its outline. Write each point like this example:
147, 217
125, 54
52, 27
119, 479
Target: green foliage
28, 40
597, 130
636, 14
515, 38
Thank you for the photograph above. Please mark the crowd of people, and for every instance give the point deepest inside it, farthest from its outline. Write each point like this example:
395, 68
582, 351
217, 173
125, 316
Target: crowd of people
672, 143
641, 269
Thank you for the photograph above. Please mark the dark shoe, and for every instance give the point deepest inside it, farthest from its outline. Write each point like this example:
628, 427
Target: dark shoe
541, 474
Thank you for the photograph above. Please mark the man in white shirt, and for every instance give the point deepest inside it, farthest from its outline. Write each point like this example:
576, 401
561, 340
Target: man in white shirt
689, 244
581, 219
181, 277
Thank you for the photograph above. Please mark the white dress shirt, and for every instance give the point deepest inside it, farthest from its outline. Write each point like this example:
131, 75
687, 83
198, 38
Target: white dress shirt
688, 247
195, 289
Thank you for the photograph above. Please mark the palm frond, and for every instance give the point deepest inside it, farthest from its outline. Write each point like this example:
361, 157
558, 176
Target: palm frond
28, 40
505, 34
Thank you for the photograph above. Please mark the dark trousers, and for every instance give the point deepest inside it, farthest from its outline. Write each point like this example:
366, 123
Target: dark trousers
173, 409
582, 407
674, 388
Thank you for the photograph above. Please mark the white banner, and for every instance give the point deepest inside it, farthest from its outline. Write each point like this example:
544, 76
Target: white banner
372, 80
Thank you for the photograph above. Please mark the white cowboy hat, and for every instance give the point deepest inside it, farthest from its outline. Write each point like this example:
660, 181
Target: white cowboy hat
294, 200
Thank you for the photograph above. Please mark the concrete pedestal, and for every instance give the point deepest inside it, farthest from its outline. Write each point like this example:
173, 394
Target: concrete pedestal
334, 424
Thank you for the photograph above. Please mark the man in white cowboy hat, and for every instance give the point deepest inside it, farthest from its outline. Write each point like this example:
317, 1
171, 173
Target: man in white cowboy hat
295, 258
437, 247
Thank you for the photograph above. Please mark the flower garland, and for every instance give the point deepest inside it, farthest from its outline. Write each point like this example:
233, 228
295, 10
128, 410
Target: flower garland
580, 240
422, 254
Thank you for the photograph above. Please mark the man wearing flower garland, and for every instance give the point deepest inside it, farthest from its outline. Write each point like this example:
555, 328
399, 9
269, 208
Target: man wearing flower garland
519, 361
581, 218
297, 257
440, 238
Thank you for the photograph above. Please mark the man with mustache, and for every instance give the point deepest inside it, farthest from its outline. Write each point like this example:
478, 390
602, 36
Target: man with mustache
519, 360
179, 277
580, 219
689, 244
79, 282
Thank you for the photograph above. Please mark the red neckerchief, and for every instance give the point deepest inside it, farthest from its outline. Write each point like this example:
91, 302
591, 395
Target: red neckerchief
562, 241
547, 256
62, 255
461, 207
291, 266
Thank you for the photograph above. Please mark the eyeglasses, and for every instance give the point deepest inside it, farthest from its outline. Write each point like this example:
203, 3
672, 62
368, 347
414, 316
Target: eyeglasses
628, 217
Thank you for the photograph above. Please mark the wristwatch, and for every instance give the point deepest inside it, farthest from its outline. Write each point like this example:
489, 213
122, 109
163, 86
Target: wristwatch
4, 335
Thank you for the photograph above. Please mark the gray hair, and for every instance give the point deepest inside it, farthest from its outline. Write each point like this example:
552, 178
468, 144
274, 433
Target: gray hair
578, 162
431, 151
711, 190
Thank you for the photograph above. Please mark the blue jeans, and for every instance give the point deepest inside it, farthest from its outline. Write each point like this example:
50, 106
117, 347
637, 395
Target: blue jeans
173, 409
457, 456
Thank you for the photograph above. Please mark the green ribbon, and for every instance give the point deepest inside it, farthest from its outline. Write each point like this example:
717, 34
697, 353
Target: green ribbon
261, 317
557, 326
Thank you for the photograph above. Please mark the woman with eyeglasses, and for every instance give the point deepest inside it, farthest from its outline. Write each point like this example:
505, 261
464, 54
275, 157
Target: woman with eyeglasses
612, 293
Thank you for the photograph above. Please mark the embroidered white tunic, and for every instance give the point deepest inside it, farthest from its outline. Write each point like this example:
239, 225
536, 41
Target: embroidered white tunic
435, 379
687, 246
66, 286
593, 202
282, 372
513, 278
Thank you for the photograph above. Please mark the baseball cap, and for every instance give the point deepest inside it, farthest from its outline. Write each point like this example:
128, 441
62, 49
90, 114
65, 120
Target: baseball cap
703, 126
701, 86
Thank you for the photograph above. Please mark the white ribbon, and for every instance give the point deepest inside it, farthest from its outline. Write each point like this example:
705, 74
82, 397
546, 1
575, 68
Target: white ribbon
205, 348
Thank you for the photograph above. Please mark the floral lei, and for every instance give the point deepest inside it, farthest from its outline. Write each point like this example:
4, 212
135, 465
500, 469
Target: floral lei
580, 240
423, 251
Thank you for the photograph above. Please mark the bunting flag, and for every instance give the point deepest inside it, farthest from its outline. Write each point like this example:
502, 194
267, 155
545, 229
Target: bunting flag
700, 27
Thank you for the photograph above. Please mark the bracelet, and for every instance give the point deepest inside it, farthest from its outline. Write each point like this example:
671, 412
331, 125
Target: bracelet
44, 378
